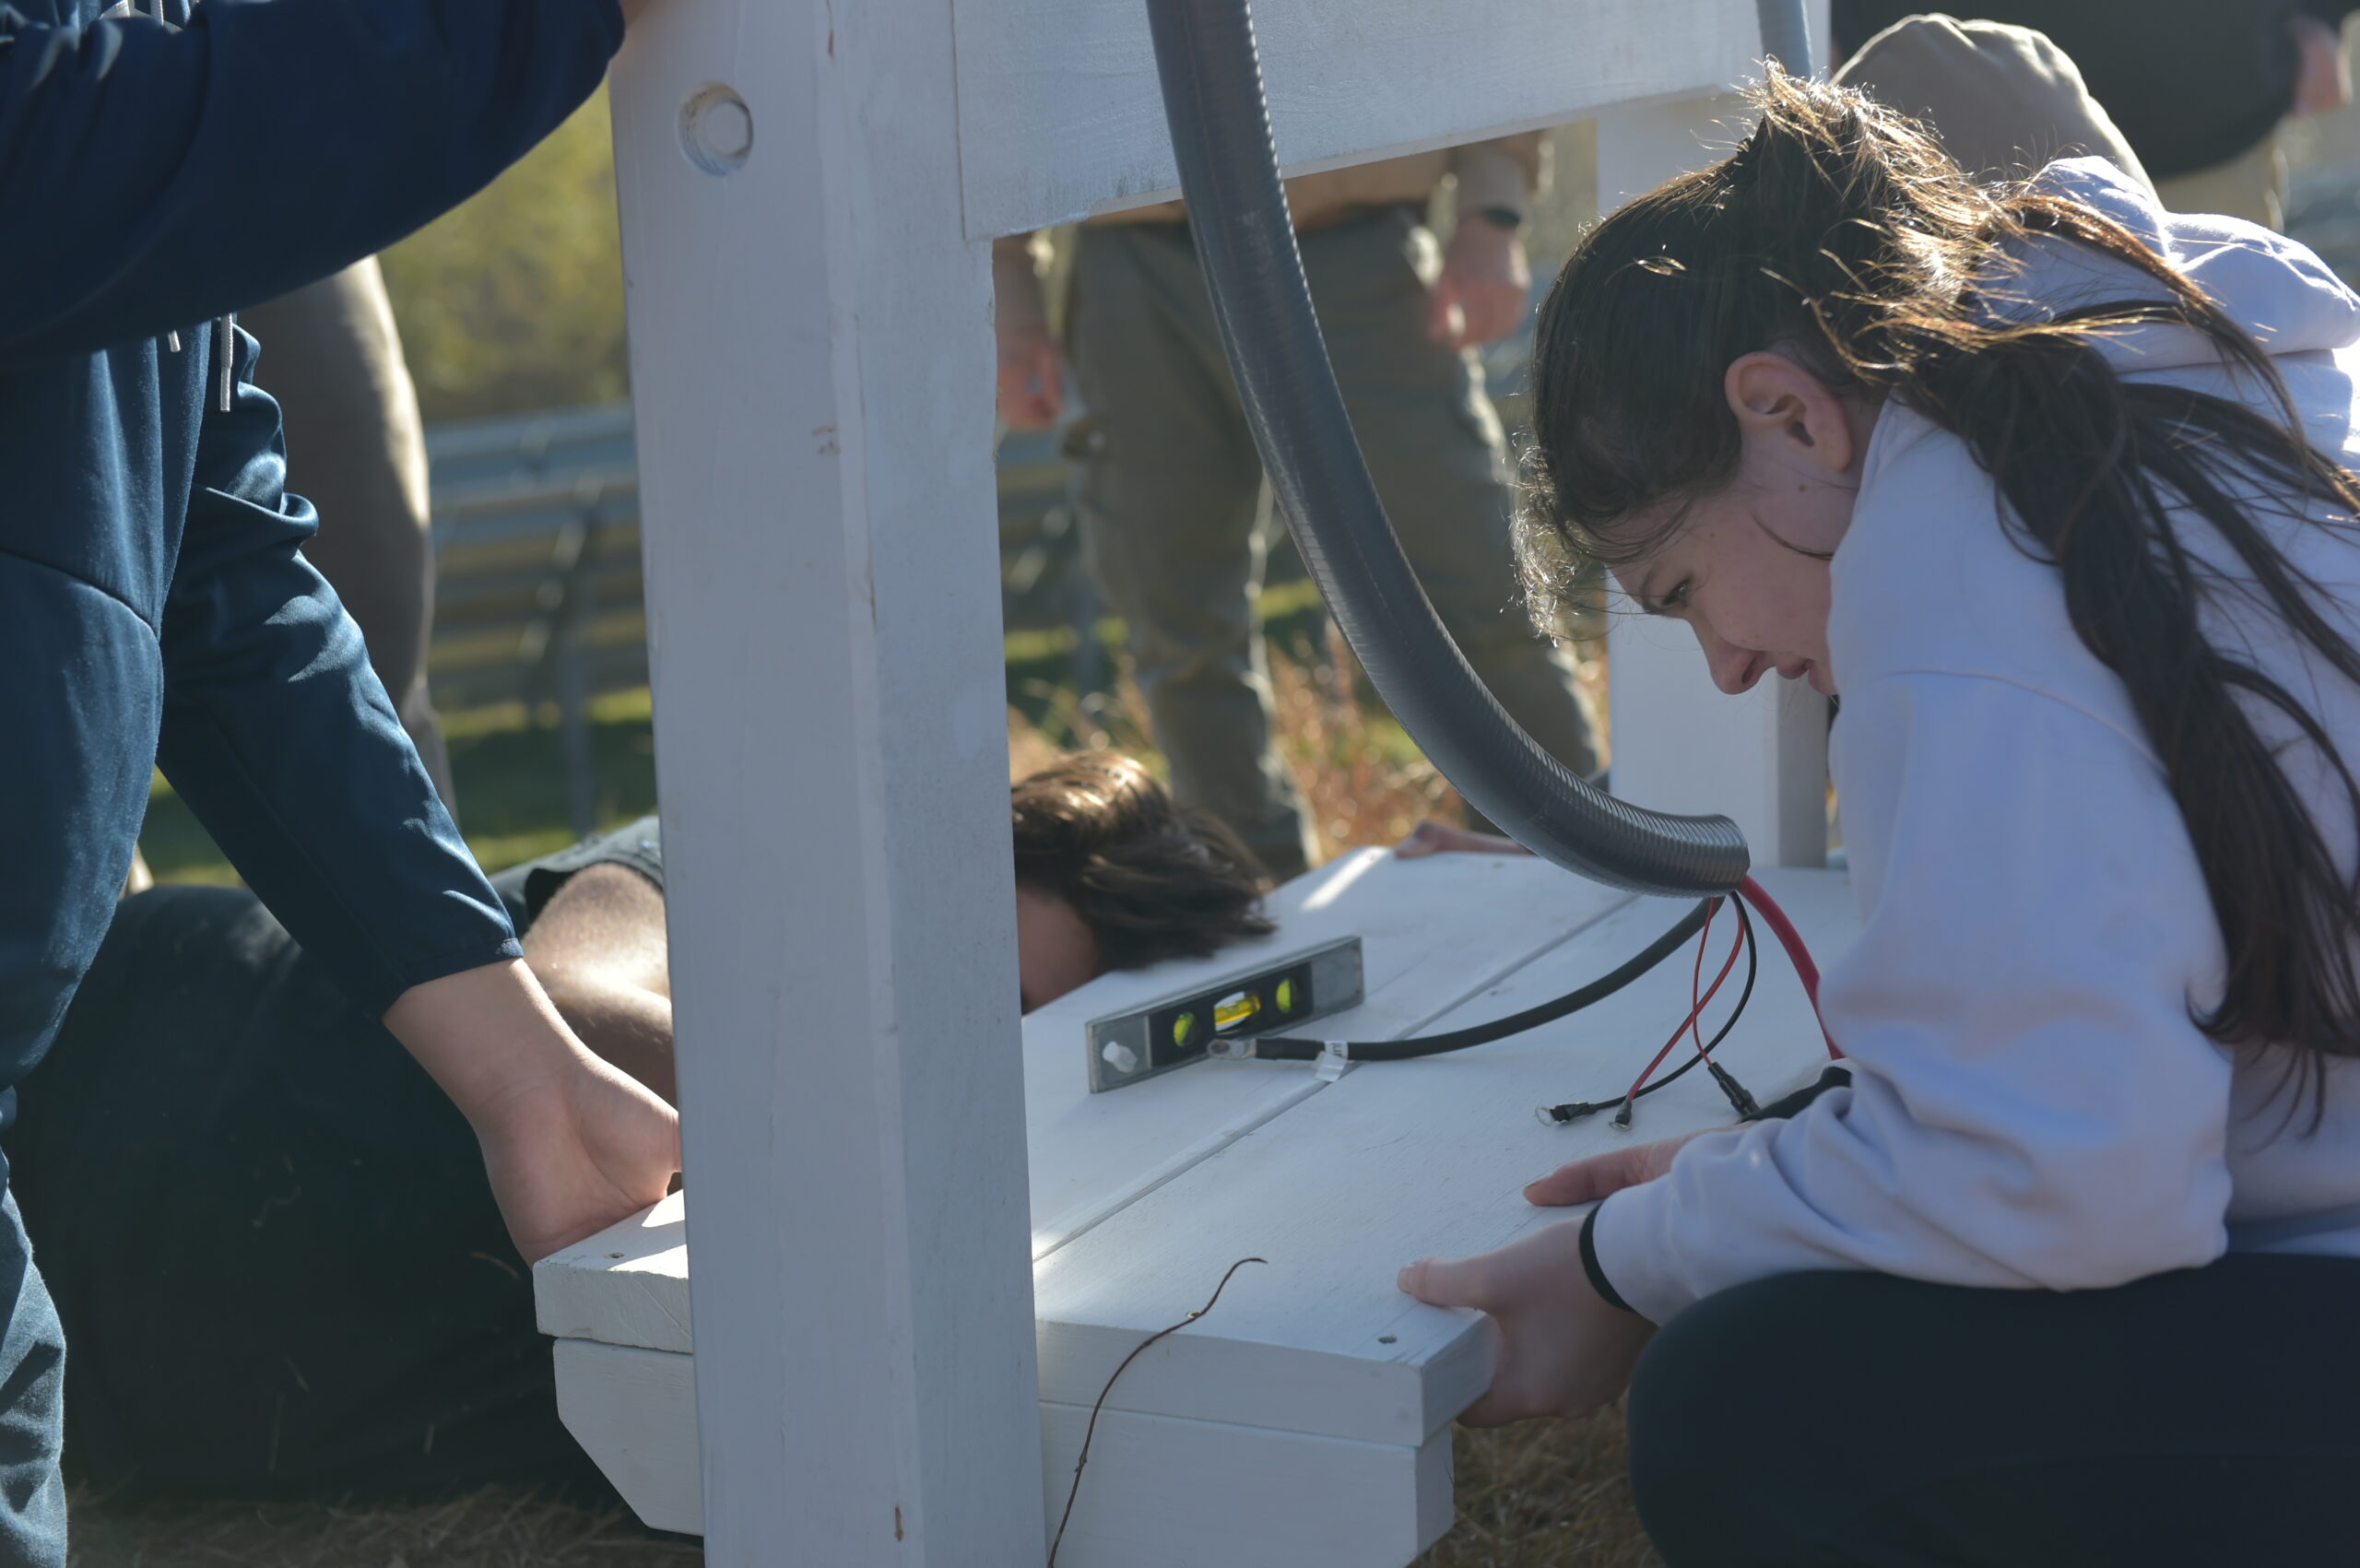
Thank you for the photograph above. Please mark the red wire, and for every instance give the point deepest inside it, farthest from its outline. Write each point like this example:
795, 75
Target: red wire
1696, 977
1796, 954
1736, 949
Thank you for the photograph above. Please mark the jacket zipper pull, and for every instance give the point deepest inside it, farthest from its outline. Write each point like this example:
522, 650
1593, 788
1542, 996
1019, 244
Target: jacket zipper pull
224, 336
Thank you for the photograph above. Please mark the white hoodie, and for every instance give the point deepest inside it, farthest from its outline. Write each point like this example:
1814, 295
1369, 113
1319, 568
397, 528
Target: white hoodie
2031, 1105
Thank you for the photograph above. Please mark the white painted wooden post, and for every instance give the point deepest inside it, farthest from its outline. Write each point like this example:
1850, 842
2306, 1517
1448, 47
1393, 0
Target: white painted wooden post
1679, 745
812, 373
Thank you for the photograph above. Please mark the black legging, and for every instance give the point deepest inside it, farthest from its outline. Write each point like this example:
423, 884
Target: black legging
2209, 1418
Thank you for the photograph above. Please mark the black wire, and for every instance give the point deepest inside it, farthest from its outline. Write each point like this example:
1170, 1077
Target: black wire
1286, 1048
1575, 1110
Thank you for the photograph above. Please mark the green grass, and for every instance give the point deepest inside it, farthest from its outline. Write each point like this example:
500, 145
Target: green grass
509, 769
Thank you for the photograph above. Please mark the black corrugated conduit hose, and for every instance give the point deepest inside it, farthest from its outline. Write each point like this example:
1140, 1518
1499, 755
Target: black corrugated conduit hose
1212, 78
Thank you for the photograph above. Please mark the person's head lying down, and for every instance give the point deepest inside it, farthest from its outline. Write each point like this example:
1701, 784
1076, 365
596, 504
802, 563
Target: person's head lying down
1110, 873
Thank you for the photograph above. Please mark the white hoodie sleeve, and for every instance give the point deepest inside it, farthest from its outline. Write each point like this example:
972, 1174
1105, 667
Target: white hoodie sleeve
2031, 1105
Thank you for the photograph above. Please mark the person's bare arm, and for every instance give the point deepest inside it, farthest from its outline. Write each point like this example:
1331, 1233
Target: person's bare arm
598, 949
570, 1143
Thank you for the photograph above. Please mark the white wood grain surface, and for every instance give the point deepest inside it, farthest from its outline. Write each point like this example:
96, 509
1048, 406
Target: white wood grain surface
812, 366
635, 1412
1313, 1366
1396, 1161
1060, 115
1159, 1491
1433, 932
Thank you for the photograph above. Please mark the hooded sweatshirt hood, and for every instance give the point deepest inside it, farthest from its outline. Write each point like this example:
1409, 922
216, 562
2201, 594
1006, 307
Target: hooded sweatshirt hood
2277, 289
2032, 1104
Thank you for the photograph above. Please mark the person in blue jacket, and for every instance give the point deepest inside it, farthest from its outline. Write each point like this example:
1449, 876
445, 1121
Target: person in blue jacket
160, 168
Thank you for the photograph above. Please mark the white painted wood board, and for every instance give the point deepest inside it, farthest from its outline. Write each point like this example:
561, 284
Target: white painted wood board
1165, 1492
1158, 1492
1060, 114
1681, 744
1433, 931
635, 1412
1396, 1161
812, 365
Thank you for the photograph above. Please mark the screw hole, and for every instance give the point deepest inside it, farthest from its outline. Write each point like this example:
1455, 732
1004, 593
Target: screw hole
716, 129
1386, 1339
614, 1254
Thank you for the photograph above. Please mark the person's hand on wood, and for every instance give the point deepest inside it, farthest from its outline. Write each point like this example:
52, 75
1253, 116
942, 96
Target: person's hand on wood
1602, 1175
571, 1144
1484, 285
1562, 1350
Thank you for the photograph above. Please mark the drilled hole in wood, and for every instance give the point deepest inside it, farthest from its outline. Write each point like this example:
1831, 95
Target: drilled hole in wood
1386, 1339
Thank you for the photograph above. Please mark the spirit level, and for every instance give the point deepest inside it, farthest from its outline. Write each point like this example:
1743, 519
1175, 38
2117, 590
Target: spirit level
1189, 1026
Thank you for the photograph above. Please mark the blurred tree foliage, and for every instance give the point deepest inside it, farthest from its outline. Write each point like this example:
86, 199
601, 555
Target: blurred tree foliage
515, 300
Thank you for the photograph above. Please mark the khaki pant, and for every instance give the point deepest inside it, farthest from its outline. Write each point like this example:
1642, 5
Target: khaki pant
1170, 485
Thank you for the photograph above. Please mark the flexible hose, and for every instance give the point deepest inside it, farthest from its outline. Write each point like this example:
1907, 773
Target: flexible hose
1237, 210
1786, 33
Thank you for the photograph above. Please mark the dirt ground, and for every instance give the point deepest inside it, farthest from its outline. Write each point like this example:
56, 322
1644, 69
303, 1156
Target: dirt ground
1545, 1495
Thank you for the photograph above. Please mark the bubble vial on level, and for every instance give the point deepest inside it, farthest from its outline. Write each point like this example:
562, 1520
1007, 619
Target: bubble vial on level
1286, 994
1184, 1029
1234, 1010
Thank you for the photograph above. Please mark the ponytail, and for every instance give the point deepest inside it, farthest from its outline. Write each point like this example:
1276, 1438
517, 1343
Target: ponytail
1841, 234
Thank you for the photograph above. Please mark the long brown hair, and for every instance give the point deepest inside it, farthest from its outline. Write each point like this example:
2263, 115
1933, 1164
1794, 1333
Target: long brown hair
1150, 879
1841, 234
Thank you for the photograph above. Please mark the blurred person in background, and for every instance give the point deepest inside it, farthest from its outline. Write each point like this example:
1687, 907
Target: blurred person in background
1170, 485
2198, 86
333, 359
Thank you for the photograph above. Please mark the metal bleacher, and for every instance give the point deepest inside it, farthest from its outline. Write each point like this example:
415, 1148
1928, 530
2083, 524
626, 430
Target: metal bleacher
538, 603
536, 545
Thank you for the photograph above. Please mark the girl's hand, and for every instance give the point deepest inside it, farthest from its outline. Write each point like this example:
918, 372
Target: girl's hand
593, 1147
571, 1144
1602, 1175
1562, 1350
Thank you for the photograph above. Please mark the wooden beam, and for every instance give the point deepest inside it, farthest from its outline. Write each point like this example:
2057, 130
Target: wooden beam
1060, 115
1679, 745
812, 369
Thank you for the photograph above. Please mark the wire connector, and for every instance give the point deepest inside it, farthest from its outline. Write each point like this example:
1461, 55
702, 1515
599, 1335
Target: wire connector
1741, 1100
1572, 1111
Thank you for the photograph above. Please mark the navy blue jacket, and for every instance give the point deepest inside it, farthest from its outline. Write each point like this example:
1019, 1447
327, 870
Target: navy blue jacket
157, 171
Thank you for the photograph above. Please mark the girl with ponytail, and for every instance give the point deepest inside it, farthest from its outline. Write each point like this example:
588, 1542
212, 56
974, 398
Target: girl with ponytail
2054, 489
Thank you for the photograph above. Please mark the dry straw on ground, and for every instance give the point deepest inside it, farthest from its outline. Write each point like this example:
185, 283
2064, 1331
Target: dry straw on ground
1543, 1496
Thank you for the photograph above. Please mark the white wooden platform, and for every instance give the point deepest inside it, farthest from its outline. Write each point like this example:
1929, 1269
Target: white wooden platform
1306, 1422
807, 191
